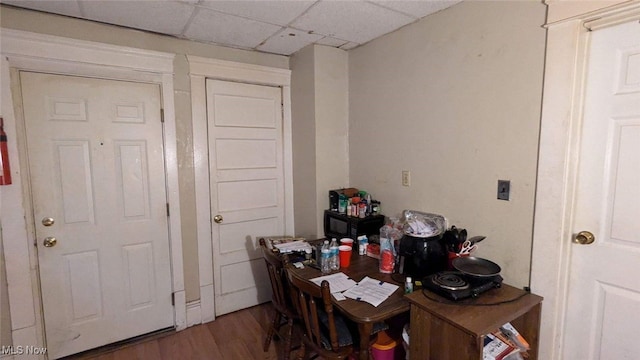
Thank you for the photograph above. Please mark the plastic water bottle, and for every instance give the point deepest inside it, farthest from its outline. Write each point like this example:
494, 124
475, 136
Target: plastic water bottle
408, 285
335, 256
325, 264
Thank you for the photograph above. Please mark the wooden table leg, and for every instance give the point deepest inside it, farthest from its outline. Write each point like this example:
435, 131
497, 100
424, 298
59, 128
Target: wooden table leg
365, 334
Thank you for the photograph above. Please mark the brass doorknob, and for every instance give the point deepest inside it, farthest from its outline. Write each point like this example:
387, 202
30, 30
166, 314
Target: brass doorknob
218, 219
48, 221
584, 238
50, 241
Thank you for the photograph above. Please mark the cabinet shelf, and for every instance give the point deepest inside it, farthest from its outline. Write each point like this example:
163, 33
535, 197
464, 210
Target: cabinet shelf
446, 330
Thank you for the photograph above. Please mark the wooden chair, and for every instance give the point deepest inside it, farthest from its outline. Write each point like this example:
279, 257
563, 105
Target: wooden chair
326, 332
283, 302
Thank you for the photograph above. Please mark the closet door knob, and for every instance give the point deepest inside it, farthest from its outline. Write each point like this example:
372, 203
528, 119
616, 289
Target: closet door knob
50, 242
584, 238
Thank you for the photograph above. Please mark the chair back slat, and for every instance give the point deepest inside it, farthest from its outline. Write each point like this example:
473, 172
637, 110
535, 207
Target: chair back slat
281, 295
313, 298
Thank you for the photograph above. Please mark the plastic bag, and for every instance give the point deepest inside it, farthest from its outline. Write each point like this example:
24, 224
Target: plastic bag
387, 255
392, 229
420, 224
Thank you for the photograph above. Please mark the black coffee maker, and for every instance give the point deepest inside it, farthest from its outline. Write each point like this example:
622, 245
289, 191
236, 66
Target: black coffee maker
422, 256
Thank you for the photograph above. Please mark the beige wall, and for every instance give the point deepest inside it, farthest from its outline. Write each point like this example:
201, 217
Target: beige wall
85, 30
455, 98
320, 110
304, 141
332, 118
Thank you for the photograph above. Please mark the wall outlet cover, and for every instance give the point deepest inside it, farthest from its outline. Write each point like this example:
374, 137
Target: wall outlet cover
406, 178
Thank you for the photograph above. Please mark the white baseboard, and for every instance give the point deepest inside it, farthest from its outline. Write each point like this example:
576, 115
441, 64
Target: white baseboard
194, 313
207, 303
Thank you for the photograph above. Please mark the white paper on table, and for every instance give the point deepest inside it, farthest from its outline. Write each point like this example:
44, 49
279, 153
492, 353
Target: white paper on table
338, 282
289, 247
338, 296
371, 290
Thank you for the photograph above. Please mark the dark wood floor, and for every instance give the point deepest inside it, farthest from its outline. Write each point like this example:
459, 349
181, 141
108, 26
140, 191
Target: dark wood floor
238, 335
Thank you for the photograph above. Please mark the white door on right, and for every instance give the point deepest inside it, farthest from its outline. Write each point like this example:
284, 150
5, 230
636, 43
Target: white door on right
247, 187
603, 309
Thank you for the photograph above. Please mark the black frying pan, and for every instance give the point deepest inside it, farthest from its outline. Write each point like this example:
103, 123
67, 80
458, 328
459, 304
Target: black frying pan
475, 266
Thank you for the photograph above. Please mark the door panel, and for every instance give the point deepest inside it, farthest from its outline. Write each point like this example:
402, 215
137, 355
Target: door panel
231, 231
96, 166
246, 172
604, 294
74, 170
257, 154
83, 279
133, 179
247, 195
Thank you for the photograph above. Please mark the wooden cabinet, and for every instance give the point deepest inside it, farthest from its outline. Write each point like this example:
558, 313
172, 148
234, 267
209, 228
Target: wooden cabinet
445, 330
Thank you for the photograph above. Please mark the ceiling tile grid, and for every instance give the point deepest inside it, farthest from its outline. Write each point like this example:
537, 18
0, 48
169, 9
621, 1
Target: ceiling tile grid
166, 17
288, 41
355, 21
230, 30
270, 11
274, 26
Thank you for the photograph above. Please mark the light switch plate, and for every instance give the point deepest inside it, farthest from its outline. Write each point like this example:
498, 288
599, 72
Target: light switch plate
504, 189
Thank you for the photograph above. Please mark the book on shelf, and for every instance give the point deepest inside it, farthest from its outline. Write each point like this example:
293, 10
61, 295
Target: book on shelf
496, 349
506, 343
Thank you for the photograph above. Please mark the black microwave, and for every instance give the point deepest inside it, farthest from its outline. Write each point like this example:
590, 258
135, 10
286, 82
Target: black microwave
339, 226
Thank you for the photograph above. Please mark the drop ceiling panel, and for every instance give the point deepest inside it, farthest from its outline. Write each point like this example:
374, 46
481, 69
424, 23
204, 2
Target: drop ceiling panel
348, 46
69, 8
417, 9
351, 20
262, 25
289, 41
212, 26
165, 17
329, 41
273, 12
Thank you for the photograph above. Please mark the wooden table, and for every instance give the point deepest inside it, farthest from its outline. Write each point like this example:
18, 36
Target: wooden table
447, 330
362, 313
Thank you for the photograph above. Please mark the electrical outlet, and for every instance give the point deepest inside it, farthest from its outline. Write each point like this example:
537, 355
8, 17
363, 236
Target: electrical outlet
406, 178
504, 188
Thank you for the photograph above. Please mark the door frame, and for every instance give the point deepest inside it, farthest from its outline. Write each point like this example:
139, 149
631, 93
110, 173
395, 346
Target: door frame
563, 97
57, 55
201, 69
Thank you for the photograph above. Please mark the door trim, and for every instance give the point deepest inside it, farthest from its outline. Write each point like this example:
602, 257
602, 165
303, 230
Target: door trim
563, 96
37, 52
201, 69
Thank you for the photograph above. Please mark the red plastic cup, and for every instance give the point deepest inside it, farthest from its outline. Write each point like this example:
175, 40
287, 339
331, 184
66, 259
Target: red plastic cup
347, 241
345, 256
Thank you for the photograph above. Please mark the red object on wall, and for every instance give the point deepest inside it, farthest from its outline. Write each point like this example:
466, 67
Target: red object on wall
5, 176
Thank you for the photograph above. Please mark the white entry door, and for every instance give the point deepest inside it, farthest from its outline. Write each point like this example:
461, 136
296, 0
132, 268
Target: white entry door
96, 166
247, 187
603, 309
